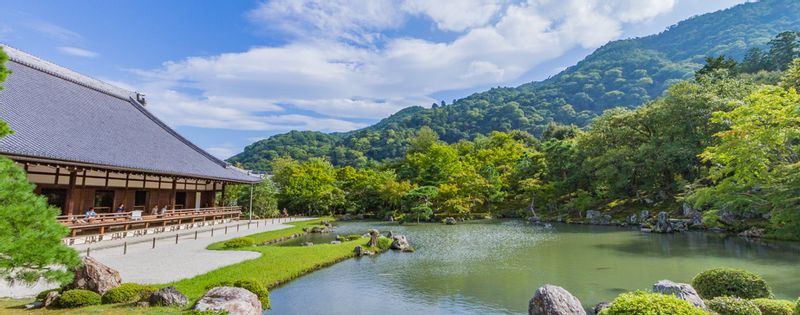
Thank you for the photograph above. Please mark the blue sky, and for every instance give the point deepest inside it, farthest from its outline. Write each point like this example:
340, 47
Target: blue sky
227, 73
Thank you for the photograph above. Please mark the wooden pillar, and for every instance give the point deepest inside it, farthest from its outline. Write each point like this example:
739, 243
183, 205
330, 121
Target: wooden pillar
83, 188
73, 175
222, 198
173, 192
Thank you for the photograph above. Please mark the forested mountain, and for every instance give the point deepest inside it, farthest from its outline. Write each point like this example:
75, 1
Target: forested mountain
625, 73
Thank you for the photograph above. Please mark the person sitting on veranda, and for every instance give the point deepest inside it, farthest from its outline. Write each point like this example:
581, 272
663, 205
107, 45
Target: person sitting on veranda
154, 211
90, 214
120, 209
163, 211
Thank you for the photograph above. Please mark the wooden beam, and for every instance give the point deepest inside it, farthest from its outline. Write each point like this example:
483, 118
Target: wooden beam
173, 192
71, 193
58, 172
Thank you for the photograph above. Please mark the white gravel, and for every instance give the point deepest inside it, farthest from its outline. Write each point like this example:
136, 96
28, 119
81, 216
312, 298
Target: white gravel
167, 261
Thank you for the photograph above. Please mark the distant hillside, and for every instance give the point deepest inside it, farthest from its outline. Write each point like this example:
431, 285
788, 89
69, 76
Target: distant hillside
624, 73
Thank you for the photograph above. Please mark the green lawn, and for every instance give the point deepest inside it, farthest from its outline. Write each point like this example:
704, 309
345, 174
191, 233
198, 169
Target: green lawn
277, 264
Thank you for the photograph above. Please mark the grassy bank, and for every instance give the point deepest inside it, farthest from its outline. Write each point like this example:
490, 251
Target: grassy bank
276, 265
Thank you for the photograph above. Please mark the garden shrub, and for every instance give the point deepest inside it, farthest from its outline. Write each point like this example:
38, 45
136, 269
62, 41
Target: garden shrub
78, 298
127, 293
384, 243
650, 303
728, 305
206, 312
239, 242
257, 288
774, 307
353, 237
797, 306
730, 282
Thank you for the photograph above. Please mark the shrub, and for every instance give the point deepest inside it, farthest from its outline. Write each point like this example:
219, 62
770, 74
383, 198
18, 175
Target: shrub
239, 242
384, 243
797, 306
257, 288
78, 298
730, 282
774, 307
353, 237
43, 294
207, 312
127, 293
728, 305
650, 303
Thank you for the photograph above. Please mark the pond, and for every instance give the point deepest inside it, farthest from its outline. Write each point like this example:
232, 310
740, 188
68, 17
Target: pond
493, 267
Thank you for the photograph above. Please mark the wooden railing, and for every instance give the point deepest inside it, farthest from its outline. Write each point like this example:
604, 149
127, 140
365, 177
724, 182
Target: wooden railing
124, 220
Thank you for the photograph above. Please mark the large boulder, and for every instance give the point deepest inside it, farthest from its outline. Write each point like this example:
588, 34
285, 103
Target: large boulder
373, 237
450, 220
682, 291
51, 298
236, 301
94, 276
400, 242
663, 225
168, 296
360, 251
554, 300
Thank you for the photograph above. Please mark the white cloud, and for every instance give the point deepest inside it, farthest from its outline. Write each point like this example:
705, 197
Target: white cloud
339, 70
77, 52
54, 31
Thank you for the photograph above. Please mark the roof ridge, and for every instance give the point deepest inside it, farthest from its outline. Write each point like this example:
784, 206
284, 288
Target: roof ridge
64, 73
174, 133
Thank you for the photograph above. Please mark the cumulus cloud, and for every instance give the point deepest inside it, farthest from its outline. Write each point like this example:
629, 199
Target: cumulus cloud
77, 52
339, 70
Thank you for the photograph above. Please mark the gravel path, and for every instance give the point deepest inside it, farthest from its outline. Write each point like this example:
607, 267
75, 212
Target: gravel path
167, 261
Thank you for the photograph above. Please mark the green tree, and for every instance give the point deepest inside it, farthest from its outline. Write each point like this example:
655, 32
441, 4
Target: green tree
783, 49
419, 200
307, 186
265, 202
30, 237
717, 67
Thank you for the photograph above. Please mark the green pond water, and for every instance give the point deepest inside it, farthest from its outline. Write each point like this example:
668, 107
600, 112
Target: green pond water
493, 267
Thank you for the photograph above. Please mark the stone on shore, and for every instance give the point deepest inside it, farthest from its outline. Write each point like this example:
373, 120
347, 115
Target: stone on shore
554, 300
600, 306
94, 276
373, 237
663, 225
360, 251
51, 298
236, 301
450, 221
400, 242
682, 291
168, 296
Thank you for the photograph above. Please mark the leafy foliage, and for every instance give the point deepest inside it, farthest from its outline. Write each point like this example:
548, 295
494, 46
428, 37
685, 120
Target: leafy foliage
78, 298
730, 282
239, 242
774, 307
30, 236
127, 293
651, 304
727, 305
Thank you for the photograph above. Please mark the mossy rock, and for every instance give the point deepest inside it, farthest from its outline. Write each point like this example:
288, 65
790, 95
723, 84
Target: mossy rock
774, 307
239, 242
78, 298
728, 305
257, 288
43, 294
731, 282
650, 303
127, 293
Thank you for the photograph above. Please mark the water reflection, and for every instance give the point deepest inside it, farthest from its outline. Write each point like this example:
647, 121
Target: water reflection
493, 267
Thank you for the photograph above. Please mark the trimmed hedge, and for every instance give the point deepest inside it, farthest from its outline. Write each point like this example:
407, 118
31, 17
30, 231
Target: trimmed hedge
78, 298
727, 305
127, 293
731, 282
774, 307
239, 242
640, 302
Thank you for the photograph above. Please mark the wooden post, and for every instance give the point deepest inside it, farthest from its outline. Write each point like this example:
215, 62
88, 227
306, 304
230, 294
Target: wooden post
71, 192
222, 198
174, 192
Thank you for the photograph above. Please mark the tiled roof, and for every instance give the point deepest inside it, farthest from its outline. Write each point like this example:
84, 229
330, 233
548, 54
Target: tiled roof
58, 114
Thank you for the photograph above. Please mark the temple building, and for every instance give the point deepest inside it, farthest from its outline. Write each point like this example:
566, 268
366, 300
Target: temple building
86, 143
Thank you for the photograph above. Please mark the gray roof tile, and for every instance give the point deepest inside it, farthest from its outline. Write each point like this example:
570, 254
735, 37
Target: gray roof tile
59, 114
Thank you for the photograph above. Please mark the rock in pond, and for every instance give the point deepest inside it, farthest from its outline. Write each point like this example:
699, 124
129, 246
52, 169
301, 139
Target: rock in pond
373, 237
94, 276
554, 300
753, 233
400, 242
360, 251
169, 296
682, 291
450, 220
663, 225
236, 301
600, 306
